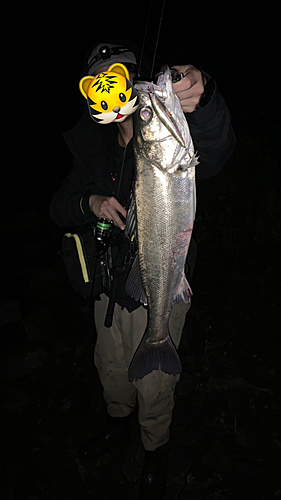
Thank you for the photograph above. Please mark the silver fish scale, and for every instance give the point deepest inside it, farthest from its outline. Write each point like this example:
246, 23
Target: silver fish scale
165, 214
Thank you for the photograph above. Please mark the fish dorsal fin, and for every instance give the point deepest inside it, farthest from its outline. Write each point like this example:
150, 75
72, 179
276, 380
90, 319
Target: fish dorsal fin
131, 221
134, 287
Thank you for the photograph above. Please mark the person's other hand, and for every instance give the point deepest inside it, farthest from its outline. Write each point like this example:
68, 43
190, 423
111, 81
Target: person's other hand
107, 207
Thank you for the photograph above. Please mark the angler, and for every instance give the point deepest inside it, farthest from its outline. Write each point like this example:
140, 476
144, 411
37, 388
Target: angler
100, 185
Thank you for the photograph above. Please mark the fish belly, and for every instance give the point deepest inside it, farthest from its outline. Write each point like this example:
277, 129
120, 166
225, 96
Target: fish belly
165, 215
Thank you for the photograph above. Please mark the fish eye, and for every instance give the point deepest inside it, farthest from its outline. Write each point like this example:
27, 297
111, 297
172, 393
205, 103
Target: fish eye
145, 113
104, 105
122, 97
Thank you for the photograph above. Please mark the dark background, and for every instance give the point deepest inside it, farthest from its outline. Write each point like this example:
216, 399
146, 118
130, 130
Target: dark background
226, 428
47, 42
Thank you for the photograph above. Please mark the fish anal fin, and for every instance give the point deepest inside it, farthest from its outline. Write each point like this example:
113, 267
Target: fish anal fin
134, 287
184, 292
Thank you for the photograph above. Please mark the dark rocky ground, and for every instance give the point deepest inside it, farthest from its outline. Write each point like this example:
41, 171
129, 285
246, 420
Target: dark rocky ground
226, 441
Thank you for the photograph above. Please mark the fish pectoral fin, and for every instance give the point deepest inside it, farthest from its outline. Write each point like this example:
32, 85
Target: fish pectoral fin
184, 292
194, 160
150, 357
178, 168
134, 287
184, 165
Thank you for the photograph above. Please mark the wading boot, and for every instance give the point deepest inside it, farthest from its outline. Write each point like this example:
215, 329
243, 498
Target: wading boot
154, 474
116, 432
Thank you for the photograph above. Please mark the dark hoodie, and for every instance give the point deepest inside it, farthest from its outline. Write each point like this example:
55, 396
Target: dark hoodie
97, 159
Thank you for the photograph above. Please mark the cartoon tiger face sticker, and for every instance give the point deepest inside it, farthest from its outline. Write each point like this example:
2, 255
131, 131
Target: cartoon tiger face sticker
110, 95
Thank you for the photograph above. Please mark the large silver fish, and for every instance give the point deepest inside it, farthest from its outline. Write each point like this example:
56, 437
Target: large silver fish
165, 210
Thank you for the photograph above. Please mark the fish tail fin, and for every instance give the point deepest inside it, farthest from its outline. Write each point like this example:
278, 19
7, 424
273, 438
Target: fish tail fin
149, 357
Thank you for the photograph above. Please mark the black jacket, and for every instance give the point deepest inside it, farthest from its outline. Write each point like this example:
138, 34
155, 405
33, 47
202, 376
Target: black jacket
98, 157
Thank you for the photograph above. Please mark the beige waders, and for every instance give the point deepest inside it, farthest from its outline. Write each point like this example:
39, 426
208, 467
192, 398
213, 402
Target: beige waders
113, 353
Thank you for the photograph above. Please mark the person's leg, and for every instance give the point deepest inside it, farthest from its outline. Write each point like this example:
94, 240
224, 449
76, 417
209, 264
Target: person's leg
156, 402
111, 359
156, 392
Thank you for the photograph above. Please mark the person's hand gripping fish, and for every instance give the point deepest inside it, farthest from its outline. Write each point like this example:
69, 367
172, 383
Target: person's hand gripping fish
190, 87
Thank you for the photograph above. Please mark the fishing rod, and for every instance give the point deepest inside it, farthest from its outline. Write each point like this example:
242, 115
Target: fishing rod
157, 37
175, 75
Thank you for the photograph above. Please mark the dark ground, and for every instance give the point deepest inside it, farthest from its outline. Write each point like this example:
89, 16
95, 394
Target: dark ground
225, 435
226, 441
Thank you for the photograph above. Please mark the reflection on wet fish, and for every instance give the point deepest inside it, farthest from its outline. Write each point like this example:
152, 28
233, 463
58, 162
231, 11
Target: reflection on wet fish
165, 210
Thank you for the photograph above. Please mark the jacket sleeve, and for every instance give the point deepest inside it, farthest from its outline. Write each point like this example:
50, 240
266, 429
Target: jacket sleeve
70, 204
213, 136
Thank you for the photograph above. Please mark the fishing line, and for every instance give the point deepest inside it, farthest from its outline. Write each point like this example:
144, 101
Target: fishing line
145, 37
157, 39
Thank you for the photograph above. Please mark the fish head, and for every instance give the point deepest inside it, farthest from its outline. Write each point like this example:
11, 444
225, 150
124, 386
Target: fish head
160, 128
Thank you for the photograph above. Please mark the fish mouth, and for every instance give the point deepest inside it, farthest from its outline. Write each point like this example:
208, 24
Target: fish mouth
158, 93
